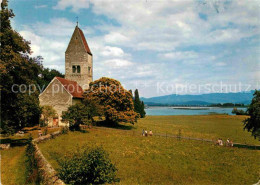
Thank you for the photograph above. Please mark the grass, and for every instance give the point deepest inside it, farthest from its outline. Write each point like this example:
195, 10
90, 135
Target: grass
160, 160
13, 170
201, 126
13, 166
28, 131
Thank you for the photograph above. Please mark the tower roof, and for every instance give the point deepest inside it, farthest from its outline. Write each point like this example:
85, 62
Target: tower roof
84, 40
79, 33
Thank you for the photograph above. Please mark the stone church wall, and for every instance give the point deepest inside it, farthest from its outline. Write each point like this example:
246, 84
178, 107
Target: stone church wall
56, 96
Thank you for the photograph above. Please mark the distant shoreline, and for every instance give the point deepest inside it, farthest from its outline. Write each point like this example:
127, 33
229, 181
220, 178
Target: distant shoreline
194, 107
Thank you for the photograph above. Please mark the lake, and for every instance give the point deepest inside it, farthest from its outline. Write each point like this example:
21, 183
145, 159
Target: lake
188, 110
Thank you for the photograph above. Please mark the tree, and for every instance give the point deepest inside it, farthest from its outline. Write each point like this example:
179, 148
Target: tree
47, 75
130, 91
143, 113
252, 124
19, 76
81, 114
238, 112
90, 166
116, 102
47, 113
137, 102
139, 105
75, 115
18, 109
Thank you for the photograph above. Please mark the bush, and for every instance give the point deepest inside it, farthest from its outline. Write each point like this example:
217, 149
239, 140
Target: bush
64, 130
76, 115
88, 167
238, 112
31, 163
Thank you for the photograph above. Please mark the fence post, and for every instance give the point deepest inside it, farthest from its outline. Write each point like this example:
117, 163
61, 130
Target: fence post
179, 135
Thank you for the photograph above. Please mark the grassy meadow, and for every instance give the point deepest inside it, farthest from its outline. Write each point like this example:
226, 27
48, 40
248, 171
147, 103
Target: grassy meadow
13, 160
161, 160
13, 169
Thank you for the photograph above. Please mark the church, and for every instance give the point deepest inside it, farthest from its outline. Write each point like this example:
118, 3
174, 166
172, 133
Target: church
64, 92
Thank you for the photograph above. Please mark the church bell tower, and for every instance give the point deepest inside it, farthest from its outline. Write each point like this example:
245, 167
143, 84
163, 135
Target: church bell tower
78, 60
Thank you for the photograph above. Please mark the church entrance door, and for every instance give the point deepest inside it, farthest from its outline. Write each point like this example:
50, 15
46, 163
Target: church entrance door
55, 122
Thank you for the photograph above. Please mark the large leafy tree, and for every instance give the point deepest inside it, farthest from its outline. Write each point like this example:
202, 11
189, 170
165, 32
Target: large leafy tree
252, 124
19, 106
116, 102
18, 109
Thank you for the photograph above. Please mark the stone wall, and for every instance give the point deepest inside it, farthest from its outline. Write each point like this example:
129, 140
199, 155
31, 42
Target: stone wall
56, 96
48, 174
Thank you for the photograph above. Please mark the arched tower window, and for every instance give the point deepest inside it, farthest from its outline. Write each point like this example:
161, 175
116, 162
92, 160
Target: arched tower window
75, 69
78, 69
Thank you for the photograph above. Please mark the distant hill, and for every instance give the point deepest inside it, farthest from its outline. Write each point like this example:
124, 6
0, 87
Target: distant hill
203, 99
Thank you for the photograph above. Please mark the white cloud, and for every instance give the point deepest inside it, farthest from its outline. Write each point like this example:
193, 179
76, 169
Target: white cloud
57, 27
112, 52
49, 49
117, 63
40, 6
166, 25
46, 41
115, 38
76, 5
180, 55
220, 64
158, 31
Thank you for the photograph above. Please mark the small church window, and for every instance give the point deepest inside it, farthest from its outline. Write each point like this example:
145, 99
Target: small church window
73, 69
78, 69
89, 70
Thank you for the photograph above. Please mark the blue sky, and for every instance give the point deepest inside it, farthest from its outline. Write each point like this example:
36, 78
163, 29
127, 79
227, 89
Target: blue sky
160, 47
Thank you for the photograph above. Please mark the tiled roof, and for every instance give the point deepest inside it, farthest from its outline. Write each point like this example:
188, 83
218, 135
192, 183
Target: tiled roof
72, 87
84, 41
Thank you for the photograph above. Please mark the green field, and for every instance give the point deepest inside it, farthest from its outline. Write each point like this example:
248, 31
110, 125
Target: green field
13, 170
161, 160
13, 160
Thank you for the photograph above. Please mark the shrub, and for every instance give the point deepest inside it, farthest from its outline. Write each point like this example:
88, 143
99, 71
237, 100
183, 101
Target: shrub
88, 167
31, 163
64, 130
76, 115
47, 113
238, 112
